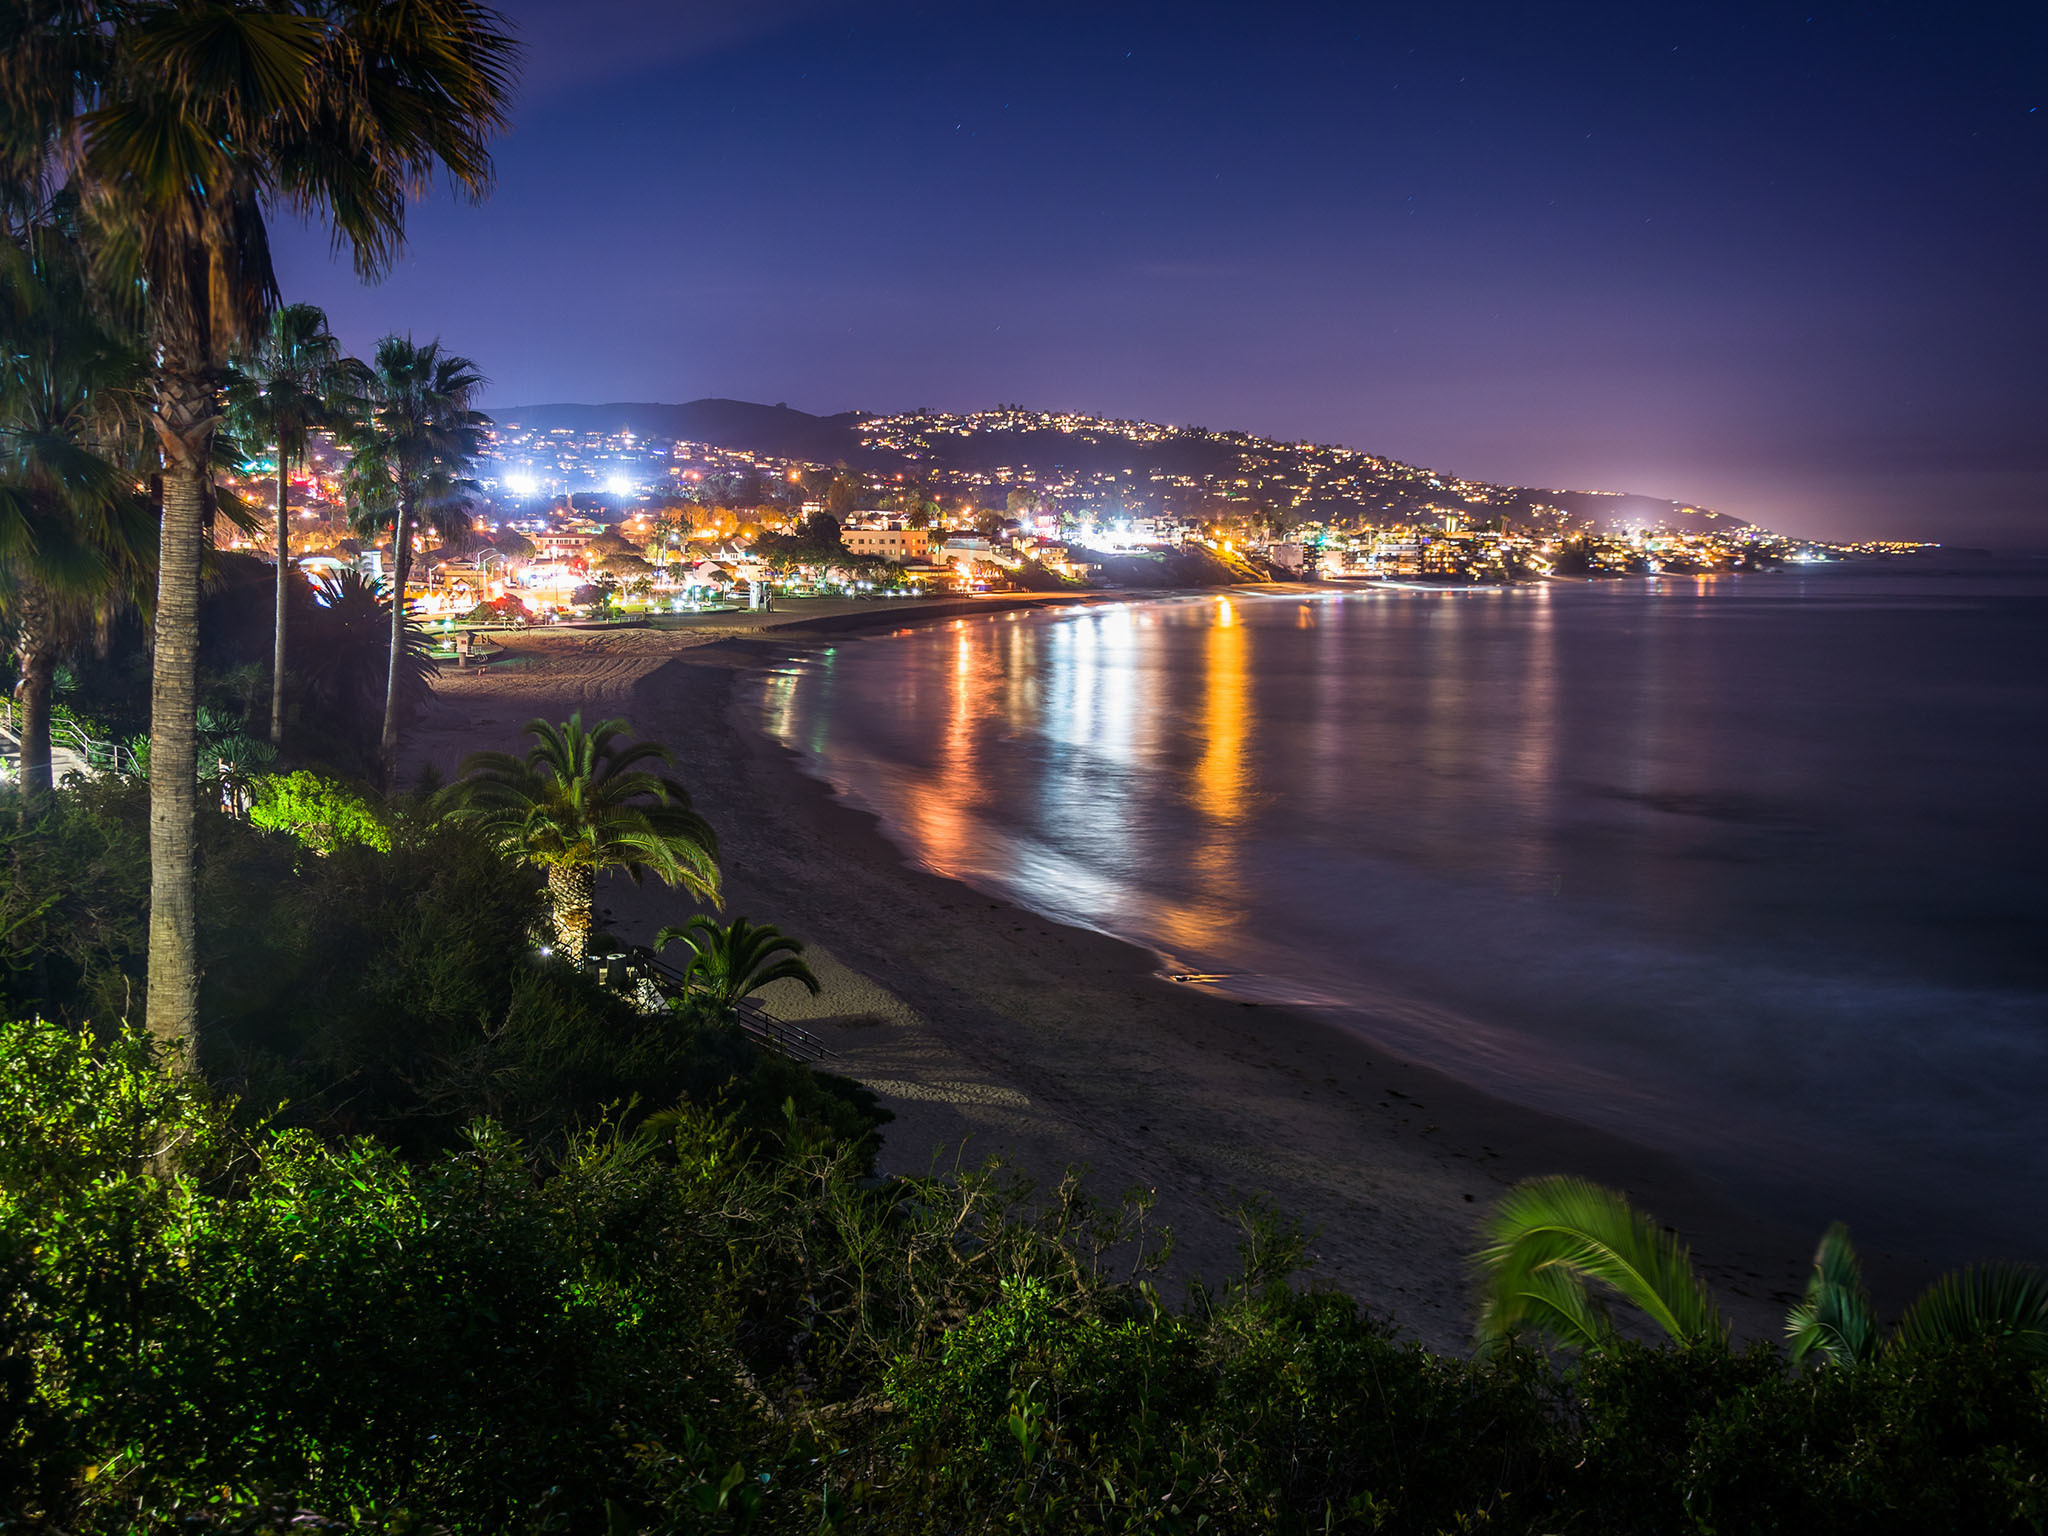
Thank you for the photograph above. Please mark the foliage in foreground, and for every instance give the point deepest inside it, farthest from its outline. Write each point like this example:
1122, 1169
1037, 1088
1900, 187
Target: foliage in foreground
1558, 1246
476, 1247
208, 1324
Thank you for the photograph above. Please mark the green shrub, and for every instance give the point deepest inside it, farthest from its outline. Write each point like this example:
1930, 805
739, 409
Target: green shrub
74, 887
208, 1312
323, 814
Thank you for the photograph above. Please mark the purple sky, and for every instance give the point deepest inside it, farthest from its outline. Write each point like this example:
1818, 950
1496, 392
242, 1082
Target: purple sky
1784, 260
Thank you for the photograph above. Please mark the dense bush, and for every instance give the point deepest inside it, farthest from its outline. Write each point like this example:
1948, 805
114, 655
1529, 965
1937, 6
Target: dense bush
397, 991
203, 1313
322, 813
683, 1327
74, 886
340, 632
500, 610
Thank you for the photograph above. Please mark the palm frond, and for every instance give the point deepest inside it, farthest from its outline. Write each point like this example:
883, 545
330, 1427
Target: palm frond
1834, 1319
259, 61
730, 963
2005, 1302
1551, 1235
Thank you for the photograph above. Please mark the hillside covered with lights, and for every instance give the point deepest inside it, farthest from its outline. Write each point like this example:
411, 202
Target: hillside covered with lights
1147, 466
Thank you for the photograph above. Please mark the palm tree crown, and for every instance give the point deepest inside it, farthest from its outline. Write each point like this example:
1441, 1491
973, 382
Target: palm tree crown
415, 446
296, 379
729, 964
584, 801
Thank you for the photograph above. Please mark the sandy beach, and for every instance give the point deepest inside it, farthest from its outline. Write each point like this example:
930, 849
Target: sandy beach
990, 1031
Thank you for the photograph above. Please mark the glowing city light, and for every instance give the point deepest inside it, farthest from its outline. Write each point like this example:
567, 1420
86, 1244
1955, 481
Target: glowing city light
619, 485
520, 483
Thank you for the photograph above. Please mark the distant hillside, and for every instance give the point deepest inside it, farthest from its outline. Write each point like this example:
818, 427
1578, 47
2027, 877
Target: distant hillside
771, 429
1607, 510
1113, 466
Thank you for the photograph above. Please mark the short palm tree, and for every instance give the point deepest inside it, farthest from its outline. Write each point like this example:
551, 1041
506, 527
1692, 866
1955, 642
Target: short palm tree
729, 964
1554, 1239
295, 380
76, 531
581, 802
183, 124
415, 447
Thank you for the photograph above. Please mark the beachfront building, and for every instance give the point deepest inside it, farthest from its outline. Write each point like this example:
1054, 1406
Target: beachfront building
559, 547
896, 544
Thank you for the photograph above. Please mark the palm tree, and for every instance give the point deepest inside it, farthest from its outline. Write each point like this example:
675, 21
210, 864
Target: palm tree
184, 123
347, 668
294, 380
583, 801
76, 531
1553, 1239
415, 448
729, 964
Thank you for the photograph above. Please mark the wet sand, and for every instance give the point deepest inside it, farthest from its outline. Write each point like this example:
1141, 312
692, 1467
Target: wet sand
992, 1032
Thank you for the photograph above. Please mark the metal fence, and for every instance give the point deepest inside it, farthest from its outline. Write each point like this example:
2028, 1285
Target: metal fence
624, 971
70, 736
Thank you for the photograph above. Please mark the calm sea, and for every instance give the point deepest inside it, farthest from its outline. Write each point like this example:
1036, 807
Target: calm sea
1752, 869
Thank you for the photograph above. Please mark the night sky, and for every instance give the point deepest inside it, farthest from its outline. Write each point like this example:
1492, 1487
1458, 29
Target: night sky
1790, 261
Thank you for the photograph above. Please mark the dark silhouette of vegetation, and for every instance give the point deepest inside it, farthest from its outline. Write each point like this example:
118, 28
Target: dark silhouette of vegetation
415, 446
76, 536
818, 543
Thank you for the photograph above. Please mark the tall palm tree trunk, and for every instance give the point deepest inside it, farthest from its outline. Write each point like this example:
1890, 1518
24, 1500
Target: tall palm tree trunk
37, 653
284, 565
185, 408
401, 560
572, 889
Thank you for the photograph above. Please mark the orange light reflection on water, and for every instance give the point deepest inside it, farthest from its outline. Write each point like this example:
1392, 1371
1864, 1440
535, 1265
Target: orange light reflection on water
944, 815
1221, 784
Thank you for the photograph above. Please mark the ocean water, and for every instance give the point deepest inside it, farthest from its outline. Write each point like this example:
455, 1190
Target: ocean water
1751, 869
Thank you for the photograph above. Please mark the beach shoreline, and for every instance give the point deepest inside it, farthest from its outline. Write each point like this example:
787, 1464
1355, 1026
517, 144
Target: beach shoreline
990, 1031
